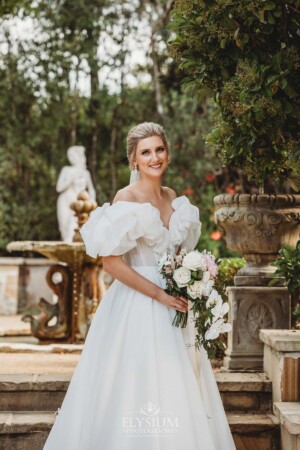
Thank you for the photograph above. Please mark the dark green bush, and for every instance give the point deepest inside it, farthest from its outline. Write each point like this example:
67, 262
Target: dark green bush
288, 267
247, 54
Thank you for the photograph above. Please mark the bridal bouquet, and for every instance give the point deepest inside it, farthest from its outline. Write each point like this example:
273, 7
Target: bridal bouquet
192, 275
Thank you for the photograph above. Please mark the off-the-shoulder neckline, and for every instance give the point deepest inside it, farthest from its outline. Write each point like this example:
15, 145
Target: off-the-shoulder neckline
157, 209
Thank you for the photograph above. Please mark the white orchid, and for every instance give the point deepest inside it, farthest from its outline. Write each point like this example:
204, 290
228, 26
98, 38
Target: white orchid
213, 298
208, 288
206, 276
216, 328
220, 309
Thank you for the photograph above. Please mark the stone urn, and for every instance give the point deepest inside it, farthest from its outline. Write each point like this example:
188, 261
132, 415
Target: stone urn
256, 226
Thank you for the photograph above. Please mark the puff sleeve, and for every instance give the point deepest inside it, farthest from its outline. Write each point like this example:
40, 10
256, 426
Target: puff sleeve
187, 226
114, 229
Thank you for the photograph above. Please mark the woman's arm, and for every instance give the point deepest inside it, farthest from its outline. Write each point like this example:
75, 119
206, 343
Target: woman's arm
119, 269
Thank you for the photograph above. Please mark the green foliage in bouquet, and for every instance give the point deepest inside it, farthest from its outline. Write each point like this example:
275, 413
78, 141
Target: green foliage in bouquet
288, 267
247, 54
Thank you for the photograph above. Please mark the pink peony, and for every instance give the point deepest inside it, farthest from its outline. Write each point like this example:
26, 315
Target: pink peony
211, 265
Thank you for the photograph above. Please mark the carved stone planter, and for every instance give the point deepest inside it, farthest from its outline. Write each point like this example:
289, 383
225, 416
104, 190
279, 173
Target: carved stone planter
256, 226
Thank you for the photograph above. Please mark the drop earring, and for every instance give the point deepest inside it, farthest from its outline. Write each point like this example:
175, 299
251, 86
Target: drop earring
134, 176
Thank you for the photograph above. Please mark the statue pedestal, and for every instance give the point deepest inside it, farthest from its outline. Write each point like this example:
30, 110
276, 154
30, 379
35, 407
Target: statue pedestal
251, 309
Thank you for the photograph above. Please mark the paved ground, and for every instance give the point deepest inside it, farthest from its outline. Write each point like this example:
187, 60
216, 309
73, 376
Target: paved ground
20, 353
30, 358
37, 363
14, 325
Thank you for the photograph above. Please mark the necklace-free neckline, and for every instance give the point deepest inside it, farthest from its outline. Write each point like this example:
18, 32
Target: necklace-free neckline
156, 208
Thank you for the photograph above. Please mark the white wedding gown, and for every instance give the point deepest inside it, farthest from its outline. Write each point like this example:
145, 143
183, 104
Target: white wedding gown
138, 385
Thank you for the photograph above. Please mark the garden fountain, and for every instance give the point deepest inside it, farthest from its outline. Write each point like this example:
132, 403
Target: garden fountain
74, 281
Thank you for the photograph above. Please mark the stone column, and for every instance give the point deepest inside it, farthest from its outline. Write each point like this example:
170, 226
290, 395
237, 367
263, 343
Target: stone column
256, 226
253, 308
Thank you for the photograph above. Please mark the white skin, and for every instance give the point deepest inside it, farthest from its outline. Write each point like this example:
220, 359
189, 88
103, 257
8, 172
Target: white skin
152, 159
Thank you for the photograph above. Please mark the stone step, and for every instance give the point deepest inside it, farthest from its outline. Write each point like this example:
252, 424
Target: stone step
37, 392
29, 430
255, 431
240, 392
246, 392
24, 430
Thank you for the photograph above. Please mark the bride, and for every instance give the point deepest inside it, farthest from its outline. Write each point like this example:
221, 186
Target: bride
140, 384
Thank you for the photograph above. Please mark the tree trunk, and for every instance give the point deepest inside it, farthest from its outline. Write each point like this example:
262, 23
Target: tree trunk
94, 148
155, 79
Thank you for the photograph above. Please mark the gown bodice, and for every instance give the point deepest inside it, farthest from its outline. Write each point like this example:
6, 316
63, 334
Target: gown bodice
136, 231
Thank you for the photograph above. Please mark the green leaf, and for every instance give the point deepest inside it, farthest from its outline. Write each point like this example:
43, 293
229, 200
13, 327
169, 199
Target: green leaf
223, 43
269, 6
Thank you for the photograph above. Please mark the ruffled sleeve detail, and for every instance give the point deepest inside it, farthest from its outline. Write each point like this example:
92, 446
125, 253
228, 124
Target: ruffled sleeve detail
114, 229
186, 224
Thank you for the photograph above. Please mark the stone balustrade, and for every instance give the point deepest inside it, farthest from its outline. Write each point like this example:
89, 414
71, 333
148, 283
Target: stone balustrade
282, 366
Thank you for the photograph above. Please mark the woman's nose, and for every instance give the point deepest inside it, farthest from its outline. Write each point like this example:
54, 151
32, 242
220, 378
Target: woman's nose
155, 157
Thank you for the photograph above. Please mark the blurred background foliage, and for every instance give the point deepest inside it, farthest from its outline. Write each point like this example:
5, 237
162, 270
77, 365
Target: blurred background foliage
70, 81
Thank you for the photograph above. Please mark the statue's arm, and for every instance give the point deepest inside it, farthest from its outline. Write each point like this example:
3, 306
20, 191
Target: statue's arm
65, 179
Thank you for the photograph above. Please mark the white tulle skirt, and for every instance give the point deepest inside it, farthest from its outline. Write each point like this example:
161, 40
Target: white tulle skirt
137, 385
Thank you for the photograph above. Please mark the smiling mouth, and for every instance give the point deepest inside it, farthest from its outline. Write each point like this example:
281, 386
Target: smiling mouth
157, 166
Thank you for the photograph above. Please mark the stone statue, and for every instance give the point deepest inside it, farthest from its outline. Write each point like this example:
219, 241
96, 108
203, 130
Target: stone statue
72, 180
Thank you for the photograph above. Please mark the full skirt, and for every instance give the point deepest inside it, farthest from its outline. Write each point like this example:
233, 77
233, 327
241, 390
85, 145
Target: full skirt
138, 385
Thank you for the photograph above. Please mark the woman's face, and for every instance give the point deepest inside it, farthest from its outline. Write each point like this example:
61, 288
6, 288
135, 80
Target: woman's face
151, 156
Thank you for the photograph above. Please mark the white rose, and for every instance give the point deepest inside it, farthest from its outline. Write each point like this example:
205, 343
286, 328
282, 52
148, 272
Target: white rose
193, 261
195, 290
182, 276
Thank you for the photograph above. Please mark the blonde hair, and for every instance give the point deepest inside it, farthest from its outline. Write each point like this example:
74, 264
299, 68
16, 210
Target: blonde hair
141, 131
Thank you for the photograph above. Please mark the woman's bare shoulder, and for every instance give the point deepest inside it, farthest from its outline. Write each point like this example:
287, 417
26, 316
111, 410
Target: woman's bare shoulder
170, 193
125, 194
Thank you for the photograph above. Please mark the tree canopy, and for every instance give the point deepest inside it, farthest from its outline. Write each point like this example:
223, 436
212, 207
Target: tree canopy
72, 80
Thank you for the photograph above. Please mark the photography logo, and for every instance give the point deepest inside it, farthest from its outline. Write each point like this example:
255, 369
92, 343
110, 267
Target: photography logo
150, 420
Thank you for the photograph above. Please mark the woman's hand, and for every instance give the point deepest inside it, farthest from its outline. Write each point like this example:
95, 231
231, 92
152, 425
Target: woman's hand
120, 270
179, 303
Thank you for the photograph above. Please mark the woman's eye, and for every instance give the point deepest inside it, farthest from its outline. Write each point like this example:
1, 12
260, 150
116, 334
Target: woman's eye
161, 149
145, 152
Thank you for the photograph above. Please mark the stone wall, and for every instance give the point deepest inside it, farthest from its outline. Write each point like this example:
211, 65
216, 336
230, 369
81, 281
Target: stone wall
23, 283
